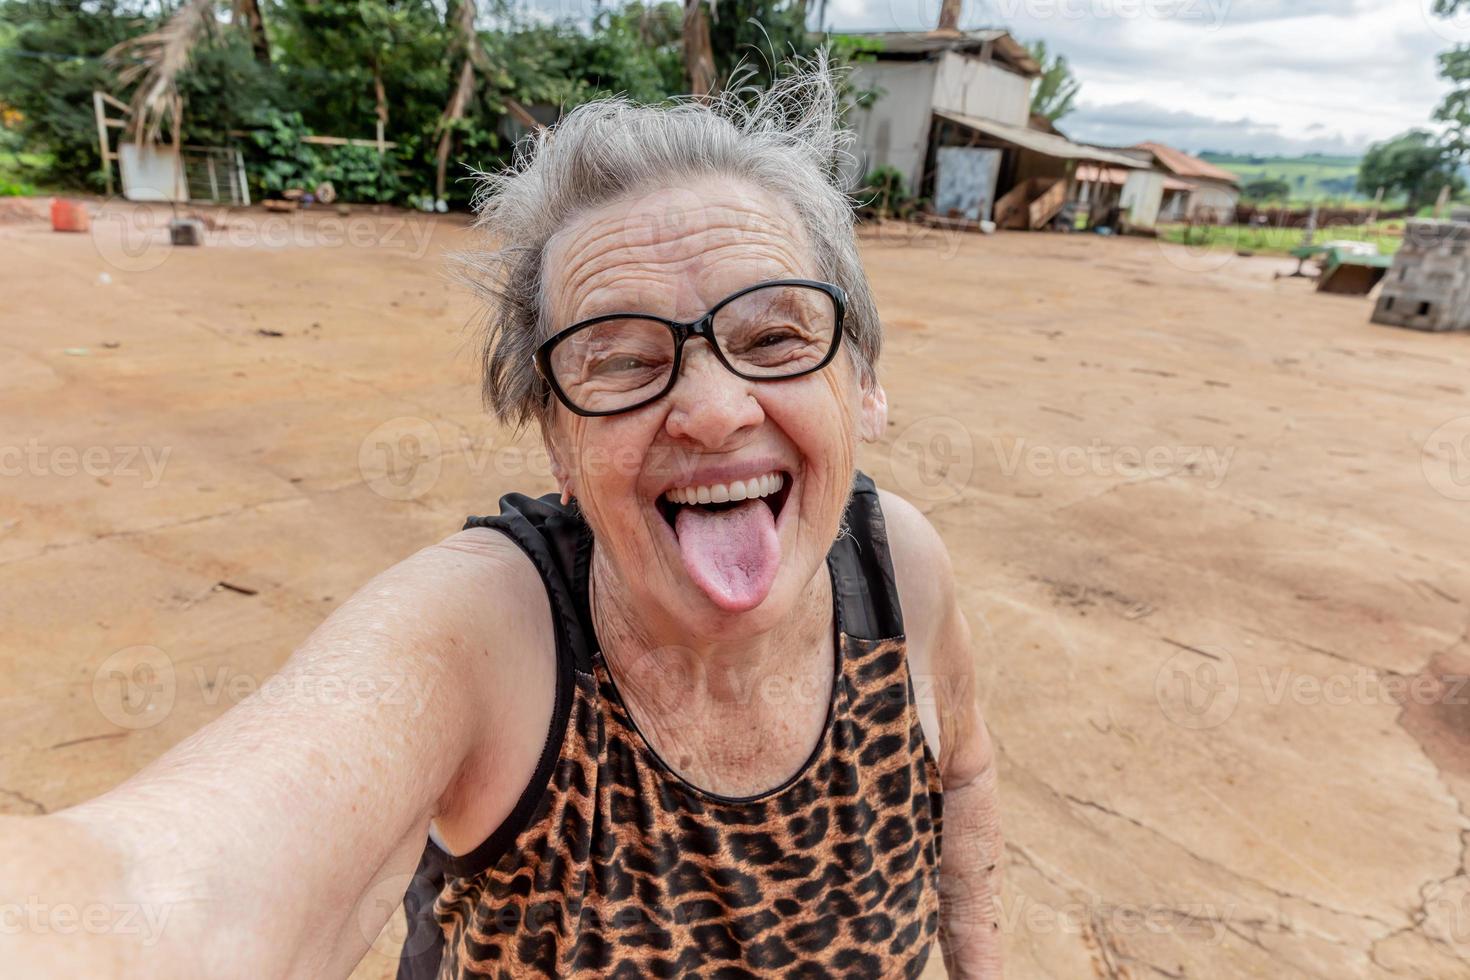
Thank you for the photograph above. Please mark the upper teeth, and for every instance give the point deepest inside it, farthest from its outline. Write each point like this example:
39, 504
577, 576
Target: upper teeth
719, 493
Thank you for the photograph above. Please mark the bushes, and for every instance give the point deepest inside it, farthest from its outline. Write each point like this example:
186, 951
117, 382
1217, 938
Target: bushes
282, 160
884, 195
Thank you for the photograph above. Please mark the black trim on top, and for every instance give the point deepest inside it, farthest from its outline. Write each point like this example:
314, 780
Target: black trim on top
546, 534
863, 566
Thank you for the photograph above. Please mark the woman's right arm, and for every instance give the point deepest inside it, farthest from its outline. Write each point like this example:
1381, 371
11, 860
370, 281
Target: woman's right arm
277, 840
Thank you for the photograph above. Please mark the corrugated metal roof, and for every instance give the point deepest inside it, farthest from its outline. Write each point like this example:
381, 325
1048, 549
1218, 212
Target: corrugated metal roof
1185, 165
1088, 172
933, 42
1043, 143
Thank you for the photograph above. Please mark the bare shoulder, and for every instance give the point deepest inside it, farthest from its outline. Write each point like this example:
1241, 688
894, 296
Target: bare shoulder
941, 660
921, 564
508, 662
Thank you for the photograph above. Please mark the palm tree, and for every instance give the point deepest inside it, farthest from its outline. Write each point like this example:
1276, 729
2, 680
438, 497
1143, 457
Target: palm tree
155, 60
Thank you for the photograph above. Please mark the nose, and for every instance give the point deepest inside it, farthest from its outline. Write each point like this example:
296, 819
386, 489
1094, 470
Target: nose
709, 405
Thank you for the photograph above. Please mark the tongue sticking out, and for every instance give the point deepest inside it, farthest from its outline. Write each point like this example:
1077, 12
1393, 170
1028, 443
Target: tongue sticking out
733, 555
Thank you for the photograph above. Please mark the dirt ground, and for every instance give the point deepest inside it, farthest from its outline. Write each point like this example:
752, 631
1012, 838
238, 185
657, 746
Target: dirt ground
1211, 531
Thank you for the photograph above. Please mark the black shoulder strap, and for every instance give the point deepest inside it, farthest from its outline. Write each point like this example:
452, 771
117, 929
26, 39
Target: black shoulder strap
559, 543
862, 568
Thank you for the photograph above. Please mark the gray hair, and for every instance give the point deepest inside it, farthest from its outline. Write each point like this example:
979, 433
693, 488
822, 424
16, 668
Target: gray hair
787, 140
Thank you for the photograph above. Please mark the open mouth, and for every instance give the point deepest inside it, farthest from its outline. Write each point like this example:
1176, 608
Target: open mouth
772, 489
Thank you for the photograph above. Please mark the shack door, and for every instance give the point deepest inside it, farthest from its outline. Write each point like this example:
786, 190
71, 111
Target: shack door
965, 182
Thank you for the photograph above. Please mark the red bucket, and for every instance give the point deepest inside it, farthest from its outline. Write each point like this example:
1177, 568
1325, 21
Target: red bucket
68, 215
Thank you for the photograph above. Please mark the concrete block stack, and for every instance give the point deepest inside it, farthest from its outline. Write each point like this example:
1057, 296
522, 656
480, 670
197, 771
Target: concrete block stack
1428, 287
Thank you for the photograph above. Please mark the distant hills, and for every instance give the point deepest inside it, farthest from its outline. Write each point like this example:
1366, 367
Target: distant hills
1312, 177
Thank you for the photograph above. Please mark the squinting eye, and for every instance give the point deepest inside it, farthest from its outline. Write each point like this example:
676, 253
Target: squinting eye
615, 365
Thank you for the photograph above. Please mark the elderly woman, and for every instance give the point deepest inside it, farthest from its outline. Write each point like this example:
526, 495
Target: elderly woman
670, 725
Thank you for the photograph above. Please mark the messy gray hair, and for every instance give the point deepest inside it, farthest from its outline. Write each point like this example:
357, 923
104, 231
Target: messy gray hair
787, 140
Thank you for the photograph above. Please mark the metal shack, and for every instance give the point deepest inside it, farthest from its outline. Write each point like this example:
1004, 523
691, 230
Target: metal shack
1428, 287
954, 118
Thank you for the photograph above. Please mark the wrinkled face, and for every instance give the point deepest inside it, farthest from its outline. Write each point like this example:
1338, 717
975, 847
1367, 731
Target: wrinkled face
780, 453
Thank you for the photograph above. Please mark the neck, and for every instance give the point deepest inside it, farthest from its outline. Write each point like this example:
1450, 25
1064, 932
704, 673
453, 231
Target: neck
664, 664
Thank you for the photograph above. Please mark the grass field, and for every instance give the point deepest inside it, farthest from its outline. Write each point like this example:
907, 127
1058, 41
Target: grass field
1311, 178
1387, 235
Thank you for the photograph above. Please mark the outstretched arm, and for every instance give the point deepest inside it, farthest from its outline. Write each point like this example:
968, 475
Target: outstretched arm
277, 840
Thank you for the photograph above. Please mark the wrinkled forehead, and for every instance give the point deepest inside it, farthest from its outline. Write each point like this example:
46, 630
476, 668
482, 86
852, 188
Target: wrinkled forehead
672, 252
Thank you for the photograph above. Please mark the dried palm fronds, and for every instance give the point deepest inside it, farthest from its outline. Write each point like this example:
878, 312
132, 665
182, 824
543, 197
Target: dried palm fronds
155, 60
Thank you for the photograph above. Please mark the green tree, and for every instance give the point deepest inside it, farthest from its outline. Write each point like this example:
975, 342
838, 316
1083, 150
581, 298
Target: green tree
757, 36
1454, 67
355, 62
1414, 164
1266, 189
1056, 90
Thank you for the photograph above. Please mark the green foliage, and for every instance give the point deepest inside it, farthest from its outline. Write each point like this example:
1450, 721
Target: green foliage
1413, 163
757, 36
852, 49
883, 194
330, 59
1266, 189
1056, 90
50, 67
282, 160
1454, 67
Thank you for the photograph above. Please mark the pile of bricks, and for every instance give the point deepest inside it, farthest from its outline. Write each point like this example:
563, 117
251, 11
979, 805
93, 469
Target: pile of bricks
1428, 287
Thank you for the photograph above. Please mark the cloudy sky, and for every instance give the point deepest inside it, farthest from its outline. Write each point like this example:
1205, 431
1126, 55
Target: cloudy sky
1265, 76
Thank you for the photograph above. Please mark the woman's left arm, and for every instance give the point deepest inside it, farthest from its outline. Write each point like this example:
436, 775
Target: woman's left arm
946, 676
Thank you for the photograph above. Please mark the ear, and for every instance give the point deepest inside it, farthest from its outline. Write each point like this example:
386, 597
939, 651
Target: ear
559, 471
874, 418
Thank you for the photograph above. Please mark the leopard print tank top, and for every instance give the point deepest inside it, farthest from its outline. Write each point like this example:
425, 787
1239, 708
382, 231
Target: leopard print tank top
611, 865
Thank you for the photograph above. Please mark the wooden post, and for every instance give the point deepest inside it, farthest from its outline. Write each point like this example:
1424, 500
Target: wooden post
1444, 199
101, 116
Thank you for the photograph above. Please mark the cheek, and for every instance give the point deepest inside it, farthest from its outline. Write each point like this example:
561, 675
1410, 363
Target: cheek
607, 458
819, 415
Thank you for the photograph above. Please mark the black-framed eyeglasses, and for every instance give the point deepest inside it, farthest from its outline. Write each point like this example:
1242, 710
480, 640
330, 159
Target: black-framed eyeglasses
771, 331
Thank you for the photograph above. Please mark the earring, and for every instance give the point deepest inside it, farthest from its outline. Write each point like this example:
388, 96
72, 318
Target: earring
566, 495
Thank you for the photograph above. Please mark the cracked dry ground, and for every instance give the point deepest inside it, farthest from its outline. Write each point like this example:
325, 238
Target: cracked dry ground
1227, 688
